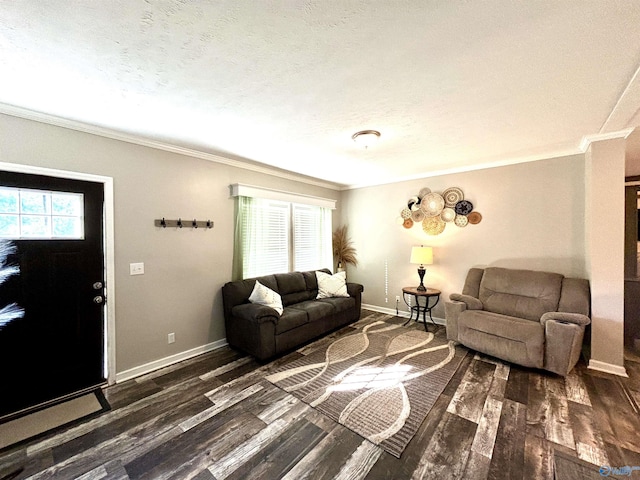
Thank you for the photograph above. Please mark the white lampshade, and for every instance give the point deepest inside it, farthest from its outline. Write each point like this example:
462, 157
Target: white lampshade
421, 255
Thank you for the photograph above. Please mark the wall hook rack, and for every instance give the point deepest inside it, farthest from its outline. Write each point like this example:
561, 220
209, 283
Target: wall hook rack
179, 223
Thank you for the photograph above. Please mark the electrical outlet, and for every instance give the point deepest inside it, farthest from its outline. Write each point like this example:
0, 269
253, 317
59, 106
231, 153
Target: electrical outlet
171, 338
397, 298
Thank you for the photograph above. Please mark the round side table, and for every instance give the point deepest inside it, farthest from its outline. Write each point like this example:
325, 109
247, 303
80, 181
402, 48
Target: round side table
431, 298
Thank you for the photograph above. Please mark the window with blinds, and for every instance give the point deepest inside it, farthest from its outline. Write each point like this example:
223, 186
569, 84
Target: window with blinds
307, 238
281, 237
266, 237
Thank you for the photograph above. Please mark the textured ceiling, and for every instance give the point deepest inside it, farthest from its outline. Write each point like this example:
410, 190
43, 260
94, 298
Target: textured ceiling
450, 85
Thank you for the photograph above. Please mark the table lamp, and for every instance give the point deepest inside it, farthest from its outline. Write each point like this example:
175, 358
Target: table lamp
423, 256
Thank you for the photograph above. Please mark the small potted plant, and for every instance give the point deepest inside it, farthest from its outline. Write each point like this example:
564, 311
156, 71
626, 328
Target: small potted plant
343, 250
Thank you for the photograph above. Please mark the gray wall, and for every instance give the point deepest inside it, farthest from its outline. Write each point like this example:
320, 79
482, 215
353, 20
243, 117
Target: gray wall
184, 270
533, 217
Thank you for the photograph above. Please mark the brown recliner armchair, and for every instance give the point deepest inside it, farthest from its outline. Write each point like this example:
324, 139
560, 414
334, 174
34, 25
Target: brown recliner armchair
532, 318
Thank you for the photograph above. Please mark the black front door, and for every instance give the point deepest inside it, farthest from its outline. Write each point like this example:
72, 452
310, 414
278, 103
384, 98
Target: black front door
51, 289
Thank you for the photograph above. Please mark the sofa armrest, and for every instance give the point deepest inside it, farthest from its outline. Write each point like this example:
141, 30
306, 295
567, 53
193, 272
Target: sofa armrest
354, 289
472, 303
565, 317
452, 311
563, 344
255, 313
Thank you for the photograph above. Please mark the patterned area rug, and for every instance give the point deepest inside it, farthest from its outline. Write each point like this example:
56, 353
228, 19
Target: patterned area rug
380, 382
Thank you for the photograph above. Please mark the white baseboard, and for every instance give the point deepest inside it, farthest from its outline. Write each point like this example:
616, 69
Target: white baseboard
165, 362
401, 313
608, 368
178, 357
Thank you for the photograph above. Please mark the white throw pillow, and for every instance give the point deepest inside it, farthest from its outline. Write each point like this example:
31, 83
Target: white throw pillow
265, 296
332, 285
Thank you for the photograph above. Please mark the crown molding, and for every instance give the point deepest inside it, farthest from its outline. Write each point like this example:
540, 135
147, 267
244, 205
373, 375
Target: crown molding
46, 118
587, 140
626, 107
470, 168
584, 145
40, 117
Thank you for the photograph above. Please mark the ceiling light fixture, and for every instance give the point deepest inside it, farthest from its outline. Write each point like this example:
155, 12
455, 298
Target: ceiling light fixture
366, 138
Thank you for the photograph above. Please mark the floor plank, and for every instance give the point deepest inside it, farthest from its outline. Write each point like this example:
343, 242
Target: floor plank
508, 456
538, 459
448, 449
468, 401
215, 417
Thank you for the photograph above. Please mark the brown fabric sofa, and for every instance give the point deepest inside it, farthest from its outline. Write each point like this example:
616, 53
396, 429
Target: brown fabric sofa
259, 330
532, 318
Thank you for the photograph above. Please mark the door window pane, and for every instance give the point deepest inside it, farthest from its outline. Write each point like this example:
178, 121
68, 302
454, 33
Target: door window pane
67, 227
35, 226
37, 214
33, 202
9, 198
9, 226
66, 204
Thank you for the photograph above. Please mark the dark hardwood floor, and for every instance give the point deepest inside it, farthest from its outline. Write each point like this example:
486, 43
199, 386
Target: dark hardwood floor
215, 417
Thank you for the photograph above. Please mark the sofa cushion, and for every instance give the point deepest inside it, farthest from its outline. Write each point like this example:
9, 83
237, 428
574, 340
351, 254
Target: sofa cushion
292, 287
340, 304
472, 283
332, 285
510, 338
575, 296
315, 310
520, 293
265, 296
291, 318
311, 280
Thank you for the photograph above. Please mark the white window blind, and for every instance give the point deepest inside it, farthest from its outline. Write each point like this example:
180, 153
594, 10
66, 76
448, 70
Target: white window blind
309, 239
266, 238
275, 236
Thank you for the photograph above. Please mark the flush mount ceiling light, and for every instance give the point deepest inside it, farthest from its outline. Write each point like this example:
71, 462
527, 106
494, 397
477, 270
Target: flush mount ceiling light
366, 138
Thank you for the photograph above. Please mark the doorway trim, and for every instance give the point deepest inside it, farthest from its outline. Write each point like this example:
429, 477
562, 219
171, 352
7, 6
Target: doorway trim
109, 249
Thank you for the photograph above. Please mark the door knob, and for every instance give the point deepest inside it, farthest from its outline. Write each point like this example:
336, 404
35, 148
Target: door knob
98, 299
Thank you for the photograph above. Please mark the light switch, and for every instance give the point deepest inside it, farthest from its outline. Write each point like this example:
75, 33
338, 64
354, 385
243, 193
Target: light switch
136, 269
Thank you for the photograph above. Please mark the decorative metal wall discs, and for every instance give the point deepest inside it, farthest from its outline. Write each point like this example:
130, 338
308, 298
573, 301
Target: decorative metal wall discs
452, 196
417, 216
413, 203
464, 207
474, 218
461, 220
423, 192
434, 210
432, 204
433, 225
448, 214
